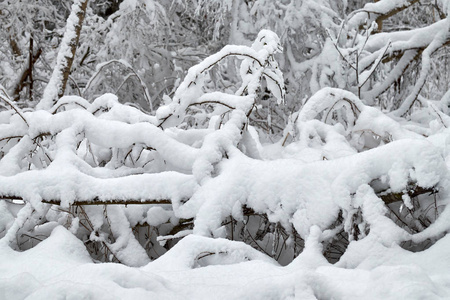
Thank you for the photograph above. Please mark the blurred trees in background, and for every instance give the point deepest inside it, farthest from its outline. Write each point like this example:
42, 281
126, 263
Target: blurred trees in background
139, 49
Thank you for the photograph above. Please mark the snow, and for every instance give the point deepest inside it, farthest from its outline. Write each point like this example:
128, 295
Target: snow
343, 155
50, 271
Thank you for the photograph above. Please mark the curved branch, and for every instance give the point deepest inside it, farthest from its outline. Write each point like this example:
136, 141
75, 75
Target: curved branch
230, 54
128, 67
211, 102
440, 39
12, 105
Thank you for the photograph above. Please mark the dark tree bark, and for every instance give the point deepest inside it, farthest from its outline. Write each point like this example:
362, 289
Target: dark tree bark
26, 76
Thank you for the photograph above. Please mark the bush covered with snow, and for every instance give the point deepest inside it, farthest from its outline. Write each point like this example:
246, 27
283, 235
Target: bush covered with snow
350, 196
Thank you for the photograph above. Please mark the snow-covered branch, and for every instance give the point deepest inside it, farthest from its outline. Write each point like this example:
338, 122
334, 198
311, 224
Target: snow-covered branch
66, 55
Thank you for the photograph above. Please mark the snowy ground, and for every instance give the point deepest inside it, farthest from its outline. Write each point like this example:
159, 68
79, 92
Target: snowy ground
60, 268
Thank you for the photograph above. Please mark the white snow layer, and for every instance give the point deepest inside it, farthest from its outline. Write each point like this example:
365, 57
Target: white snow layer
61, 268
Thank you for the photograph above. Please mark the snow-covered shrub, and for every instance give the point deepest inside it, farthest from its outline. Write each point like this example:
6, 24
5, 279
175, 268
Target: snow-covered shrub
315, 172
130, 184
86, 150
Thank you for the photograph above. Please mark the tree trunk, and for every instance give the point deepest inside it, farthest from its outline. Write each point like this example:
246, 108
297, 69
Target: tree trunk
25, 74
57, 84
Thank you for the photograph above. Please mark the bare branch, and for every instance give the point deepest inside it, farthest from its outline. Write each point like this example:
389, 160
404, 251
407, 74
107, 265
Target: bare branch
5, 98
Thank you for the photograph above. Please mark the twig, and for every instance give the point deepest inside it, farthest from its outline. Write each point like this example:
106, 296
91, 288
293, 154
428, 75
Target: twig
8, 101
339, 51
11, 137
257, 245
130, 69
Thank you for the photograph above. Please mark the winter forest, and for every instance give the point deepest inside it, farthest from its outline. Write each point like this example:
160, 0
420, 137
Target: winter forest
224, 149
